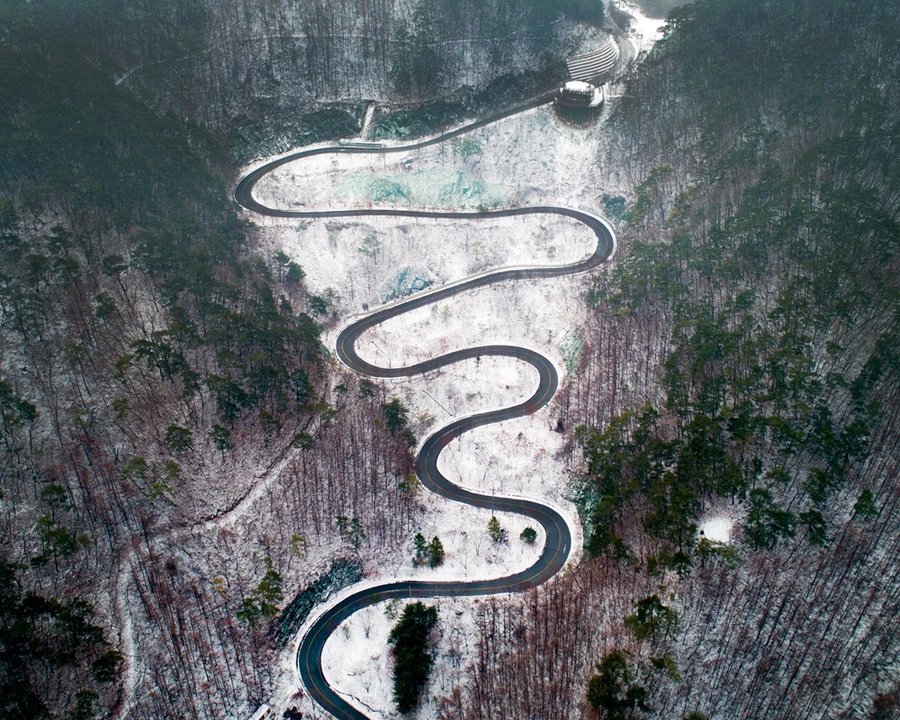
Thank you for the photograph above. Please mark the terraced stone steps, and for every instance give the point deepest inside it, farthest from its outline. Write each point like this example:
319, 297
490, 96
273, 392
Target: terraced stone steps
590, 67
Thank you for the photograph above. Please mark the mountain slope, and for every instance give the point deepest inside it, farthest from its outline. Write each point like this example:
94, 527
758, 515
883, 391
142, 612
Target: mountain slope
742, 368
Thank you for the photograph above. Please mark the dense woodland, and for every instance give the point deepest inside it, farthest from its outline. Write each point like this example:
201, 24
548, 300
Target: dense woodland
276, 74
742, 360
146, 354
741, 357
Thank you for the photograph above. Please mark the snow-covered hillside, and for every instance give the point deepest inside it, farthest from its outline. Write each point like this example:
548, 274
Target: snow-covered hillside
530, 158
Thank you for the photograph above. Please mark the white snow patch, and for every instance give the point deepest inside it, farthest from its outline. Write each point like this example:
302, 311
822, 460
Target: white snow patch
357, 657
717, 528
643, 31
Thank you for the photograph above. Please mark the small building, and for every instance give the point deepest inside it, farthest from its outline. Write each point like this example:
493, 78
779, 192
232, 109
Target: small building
576, 93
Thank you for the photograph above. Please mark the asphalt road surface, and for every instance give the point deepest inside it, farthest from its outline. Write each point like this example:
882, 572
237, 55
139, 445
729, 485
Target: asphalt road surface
558, 542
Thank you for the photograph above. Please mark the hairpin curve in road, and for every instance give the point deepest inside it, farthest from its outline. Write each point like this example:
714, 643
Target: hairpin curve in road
558, 542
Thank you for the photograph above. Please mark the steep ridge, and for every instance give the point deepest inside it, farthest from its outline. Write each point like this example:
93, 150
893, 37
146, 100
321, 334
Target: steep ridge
558, 535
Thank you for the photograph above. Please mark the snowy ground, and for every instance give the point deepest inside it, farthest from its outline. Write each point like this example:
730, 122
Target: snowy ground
643, 30
358, 263
358, 654
532, 158
717, 527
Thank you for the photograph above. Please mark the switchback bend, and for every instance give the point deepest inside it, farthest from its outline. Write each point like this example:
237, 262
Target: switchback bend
558, 543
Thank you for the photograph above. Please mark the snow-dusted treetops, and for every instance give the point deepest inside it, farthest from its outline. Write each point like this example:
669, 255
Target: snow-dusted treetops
188, 473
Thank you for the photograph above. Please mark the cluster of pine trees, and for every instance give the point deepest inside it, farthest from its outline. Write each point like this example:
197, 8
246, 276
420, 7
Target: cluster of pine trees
154, 369
741, 358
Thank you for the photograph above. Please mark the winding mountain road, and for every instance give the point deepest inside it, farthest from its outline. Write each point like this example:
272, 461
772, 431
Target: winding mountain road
558, 542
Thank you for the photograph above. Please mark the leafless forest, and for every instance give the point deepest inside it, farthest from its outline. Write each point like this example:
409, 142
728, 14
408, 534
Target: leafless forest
179, 451
743, 171
218, 62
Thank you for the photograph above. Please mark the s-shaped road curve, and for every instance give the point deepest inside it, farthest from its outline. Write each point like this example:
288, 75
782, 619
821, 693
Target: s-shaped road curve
558, 542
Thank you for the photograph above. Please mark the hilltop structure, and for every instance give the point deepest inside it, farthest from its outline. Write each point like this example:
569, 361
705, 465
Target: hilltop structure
580, 94
586, 72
